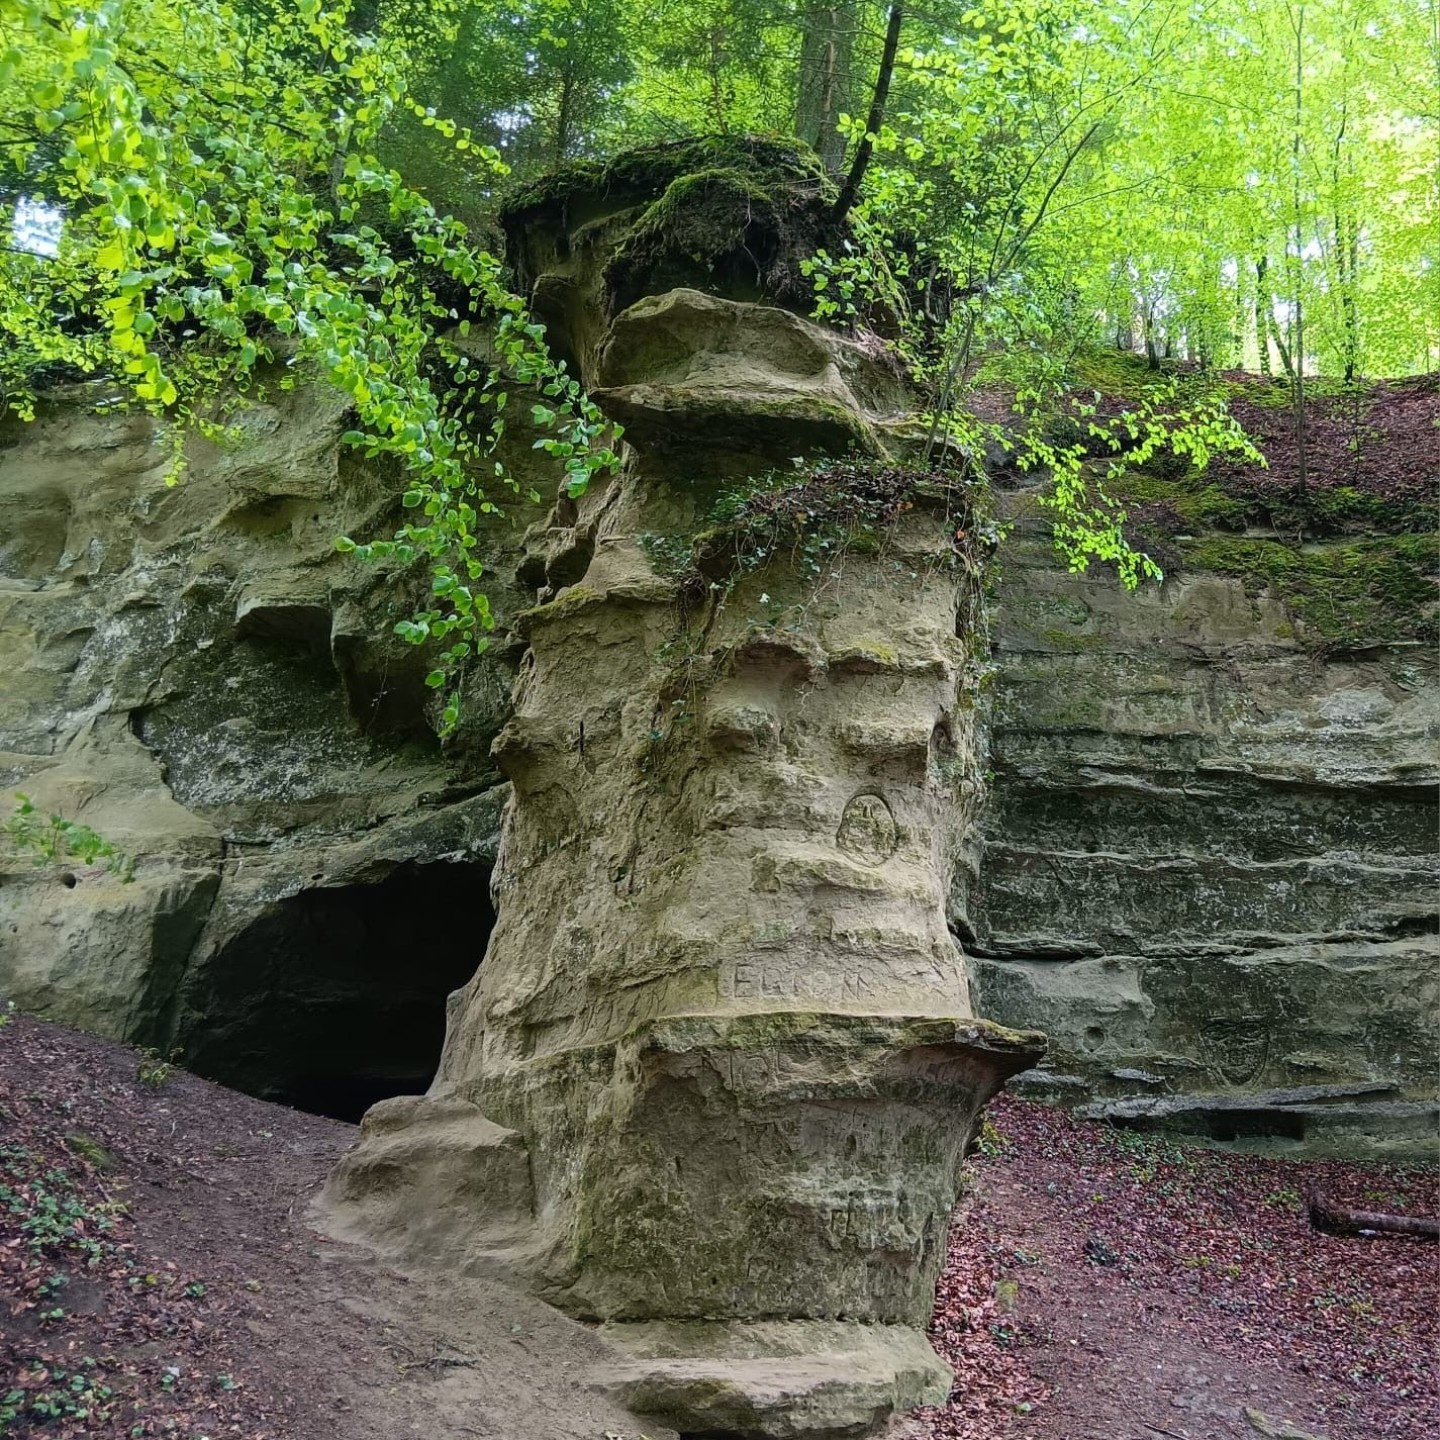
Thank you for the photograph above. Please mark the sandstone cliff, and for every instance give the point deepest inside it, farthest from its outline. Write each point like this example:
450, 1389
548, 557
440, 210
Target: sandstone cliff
713, 1081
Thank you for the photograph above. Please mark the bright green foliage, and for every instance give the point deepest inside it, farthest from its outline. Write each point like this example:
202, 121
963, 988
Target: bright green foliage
209, 199
1089, 523
226, 221
1166, 174
1126, 165
49, 838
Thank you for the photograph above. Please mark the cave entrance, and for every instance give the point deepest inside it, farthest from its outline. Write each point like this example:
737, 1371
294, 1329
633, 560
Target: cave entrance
334, 998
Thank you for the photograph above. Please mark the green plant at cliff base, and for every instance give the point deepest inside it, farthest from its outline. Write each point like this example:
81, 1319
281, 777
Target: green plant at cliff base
153, 1069
52, 838
196, 201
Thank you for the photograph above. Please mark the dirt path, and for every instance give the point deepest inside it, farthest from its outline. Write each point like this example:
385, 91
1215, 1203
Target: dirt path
1100, 1288
213, 1310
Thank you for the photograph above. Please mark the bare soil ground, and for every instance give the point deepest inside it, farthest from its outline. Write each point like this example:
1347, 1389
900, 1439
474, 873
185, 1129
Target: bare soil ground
211, 1309
158, 1278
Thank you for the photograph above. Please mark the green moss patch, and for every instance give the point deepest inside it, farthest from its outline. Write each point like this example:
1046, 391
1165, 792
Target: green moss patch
733, 214
1116, 373
1376, 589
1198, 500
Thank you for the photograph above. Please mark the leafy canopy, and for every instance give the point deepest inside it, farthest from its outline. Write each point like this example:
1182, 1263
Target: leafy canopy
205, 200
226, 218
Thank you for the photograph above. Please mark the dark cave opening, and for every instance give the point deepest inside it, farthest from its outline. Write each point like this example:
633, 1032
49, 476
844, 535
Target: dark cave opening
334, 998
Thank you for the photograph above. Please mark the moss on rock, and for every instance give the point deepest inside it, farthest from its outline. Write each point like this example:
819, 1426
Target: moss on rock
734, 214
1375, 589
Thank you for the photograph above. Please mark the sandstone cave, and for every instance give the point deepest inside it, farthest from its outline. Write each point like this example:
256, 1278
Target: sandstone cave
333, 999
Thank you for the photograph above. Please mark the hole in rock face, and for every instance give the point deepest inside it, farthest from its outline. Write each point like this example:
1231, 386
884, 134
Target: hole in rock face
334, 998
1261, 1123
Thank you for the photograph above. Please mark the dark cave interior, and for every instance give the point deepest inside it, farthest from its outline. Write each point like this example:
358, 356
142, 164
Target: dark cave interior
334, 998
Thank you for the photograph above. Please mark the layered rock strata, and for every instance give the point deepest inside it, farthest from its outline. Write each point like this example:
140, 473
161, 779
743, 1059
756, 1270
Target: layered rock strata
1208, 866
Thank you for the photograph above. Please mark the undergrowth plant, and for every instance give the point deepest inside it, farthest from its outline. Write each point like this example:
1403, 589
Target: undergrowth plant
50, 838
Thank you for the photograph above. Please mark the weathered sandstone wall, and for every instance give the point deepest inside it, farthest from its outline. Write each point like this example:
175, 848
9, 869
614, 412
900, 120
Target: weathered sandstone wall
1208, 867
195, 673
770, 845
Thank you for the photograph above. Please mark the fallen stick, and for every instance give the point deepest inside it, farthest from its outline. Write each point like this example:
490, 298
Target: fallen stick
1340, 1220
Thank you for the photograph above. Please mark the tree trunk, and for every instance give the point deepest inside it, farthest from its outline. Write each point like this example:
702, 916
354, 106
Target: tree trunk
1263, 313
1152, 353
718, 59
564, 117
1297, 370
850, 191
1348, 259
825, 86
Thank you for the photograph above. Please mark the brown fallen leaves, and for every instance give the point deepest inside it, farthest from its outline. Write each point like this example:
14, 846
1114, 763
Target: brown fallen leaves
1215, 1246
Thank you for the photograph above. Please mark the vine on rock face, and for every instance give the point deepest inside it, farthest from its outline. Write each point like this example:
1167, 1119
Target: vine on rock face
210, 204
812, 520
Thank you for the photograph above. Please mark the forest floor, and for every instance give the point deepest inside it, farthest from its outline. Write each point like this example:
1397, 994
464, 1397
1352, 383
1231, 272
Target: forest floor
212, 1309
1111, 1286
158, 1278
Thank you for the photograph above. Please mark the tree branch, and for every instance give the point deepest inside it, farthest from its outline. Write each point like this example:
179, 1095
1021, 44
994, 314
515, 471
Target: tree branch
1341, 1220
850, 190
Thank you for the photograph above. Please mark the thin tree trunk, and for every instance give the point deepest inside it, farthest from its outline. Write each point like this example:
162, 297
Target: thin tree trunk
1297, 370
717, 90
1344, 255
1348, 308
564, 116
1263, 311
1287, 362
850, 191
825, 83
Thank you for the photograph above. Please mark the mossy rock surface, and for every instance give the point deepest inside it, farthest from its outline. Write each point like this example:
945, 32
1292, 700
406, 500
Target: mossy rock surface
1377, 589
730, 214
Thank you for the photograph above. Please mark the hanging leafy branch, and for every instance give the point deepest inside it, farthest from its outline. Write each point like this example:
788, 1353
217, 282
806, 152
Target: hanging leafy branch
222, 211
49, 838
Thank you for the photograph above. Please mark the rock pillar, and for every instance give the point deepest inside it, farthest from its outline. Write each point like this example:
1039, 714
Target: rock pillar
713, 1082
